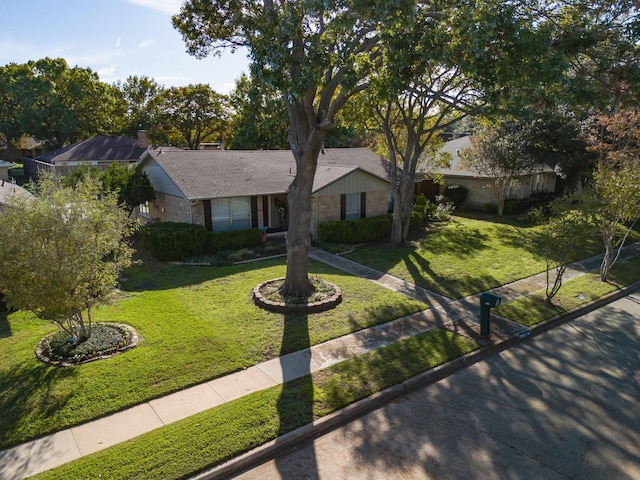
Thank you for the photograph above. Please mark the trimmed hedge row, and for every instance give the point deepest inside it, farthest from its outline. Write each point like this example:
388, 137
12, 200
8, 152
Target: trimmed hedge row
171, 241
174, 242
355, 231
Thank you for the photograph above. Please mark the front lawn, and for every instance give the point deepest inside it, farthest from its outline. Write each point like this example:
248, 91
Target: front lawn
466, 256
196, 324
574, 293
188, 446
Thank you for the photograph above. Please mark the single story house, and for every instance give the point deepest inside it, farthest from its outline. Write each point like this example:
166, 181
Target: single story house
24, 147
99, 151
541, 181
237, 189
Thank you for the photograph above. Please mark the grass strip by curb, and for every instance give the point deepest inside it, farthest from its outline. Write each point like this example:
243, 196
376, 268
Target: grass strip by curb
212, 437
575, 293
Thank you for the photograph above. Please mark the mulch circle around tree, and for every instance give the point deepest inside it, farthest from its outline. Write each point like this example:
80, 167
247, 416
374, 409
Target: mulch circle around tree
326, 296
107, 340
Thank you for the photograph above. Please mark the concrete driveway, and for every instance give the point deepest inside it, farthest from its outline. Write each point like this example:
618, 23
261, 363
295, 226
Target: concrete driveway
565, 404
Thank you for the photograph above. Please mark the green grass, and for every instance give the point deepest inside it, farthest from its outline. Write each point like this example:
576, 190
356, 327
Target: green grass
466, 256
574, 293
199, 442
196, 324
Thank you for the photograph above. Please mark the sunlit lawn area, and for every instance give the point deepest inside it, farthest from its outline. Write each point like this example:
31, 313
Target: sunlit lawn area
186, 447
196, 323
574, 293
466, 256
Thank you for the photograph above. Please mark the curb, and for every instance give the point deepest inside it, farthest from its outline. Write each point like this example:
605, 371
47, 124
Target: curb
341, 417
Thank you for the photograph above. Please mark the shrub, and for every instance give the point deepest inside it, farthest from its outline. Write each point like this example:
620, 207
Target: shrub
232, 240
355, 231
456, 193
443, 211
490, 208
171, 241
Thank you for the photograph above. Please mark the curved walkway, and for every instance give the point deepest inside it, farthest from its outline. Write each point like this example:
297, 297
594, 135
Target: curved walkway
56, 449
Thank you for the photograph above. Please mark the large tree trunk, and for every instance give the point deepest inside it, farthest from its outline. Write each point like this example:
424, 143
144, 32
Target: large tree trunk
402, 208
306, 142
297, 282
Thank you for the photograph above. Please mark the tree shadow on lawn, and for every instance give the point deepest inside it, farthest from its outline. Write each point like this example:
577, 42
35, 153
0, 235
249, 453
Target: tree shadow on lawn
28, 387
424, 276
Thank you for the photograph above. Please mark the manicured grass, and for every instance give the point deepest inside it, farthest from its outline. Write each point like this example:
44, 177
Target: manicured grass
196, 323
466, 256
576, 292
196, 443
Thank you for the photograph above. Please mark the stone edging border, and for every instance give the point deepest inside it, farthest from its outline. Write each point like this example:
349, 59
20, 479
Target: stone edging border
133, 341
282, 307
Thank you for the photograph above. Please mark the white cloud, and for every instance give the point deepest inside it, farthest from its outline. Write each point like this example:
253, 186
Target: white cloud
170, 7
107, 73
146, 43
119, 43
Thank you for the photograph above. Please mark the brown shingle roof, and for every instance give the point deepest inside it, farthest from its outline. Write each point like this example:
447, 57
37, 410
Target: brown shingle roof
201, 174
99, 148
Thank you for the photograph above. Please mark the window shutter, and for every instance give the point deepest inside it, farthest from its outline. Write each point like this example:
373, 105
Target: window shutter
254, 212
207, 214
343, 206
363, 205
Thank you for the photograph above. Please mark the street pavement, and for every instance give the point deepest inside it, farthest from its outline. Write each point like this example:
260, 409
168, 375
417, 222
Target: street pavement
561, 405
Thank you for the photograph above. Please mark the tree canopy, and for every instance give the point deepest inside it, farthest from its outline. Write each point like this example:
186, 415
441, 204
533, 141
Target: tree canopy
61, 252
187, 116
50, 101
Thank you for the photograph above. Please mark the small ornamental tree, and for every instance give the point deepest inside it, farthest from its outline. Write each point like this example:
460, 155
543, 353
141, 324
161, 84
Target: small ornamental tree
559, 237
61, 252
502, 155
616, 181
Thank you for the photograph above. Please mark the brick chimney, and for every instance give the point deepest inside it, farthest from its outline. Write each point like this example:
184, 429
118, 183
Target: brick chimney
142, 138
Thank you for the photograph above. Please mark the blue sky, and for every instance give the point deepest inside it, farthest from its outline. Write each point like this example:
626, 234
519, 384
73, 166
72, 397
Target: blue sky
115, 38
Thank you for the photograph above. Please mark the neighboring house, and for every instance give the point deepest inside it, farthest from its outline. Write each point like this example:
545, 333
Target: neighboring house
542, 181
25, 147
4, 169
100, 151
9, 190
236, 189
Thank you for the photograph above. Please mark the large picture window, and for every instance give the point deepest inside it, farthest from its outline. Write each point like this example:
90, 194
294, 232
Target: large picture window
231, 214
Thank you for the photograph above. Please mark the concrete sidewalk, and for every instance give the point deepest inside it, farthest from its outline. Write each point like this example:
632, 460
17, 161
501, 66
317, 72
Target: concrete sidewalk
56, 449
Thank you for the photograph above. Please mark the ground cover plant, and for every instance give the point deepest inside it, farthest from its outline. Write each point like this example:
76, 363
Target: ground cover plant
466, 255
182, 449
579, 291
195, 324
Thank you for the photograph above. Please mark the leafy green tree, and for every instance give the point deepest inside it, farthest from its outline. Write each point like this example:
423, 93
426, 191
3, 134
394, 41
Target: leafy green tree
61, 252
318, 55
560, 235
50, 101
260, 121
190, 115
410, 124
139, 93
615, 199
132, 185
501, 154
